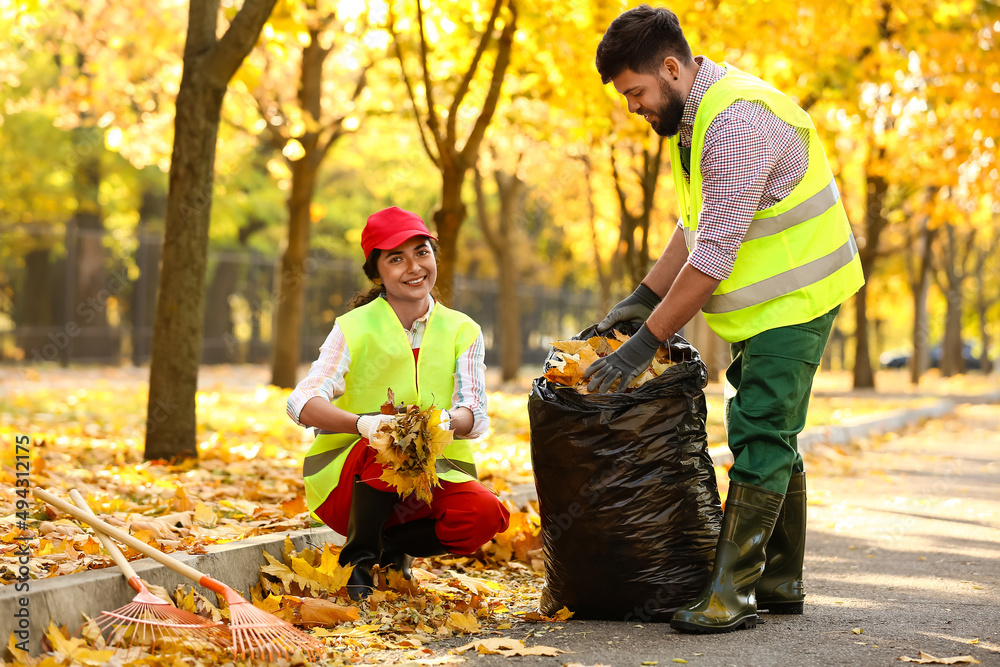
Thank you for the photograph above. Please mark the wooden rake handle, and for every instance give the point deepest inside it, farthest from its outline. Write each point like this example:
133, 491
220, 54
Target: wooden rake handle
123, 537
109, 545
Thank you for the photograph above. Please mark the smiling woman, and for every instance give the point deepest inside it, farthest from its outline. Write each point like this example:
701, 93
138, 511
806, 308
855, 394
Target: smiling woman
397, 341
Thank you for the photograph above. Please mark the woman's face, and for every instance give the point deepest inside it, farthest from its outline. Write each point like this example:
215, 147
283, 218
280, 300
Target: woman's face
408, 271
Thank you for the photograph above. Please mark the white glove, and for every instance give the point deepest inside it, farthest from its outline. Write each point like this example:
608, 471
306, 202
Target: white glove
445, 424
368, 424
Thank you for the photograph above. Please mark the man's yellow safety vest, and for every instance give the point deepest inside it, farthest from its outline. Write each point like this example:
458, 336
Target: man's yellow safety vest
381, 359
799, 258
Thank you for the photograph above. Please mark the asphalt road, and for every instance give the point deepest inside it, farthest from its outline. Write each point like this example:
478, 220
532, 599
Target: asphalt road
903, 556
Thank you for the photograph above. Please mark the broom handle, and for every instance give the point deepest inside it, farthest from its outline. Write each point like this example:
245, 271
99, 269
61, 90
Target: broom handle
109, 545
121, 536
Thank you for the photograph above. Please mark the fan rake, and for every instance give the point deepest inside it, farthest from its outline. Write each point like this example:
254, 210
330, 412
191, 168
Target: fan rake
147, 622
255, 633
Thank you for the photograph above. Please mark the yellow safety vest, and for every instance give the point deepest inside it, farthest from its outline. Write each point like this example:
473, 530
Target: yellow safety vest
799, 258
381, 358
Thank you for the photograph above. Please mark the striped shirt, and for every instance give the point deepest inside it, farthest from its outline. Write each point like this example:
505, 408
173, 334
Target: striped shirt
751, 160
326, 376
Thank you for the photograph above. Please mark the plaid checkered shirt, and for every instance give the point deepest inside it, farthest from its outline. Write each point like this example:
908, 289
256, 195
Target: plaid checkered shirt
751, 160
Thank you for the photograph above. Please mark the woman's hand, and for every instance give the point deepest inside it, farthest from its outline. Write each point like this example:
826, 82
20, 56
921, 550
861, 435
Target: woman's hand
367, 425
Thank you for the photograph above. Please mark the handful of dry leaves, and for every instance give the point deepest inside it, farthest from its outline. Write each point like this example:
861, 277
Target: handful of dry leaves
572, 358
408, 447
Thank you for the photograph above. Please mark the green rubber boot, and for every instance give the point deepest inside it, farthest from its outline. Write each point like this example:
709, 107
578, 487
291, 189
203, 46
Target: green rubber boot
780, 589
728, 601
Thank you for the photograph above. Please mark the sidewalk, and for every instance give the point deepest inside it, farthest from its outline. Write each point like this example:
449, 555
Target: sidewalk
902, 557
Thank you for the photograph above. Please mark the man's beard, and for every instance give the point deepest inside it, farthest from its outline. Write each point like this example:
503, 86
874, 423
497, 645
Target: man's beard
668, 116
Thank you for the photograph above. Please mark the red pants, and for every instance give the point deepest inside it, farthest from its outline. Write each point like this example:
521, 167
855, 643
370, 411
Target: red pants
467, 514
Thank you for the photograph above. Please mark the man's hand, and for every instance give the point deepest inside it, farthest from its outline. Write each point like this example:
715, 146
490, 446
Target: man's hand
368, 424
636, 306
627, 362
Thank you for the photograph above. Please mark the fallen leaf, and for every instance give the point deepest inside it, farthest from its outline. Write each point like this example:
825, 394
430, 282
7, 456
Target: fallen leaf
563, 614
204, 515
463, 622
508, 647
315, 611
928, 659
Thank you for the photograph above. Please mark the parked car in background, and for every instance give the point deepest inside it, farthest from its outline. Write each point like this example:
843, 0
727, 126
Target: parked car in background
901, 358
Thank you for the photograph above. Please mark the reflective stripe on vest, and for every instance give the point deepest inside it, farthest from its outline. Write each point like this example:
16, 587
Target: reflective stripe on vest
315, 463
816, 205
798, 258
783, 283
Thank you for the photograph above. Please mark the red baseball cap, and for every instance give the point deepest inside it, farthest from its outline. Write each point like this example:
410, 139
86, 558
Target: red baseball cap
389, 227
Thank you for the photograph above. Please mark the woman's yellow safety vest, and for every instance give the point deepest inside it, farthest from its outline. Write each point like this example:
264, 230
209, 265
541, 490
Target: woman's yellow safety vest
798, 259
381, 359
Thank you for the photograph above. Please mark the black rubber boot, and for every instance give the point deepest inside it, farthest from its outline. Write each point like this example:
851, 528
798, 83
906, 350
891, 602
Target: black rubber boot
728, 602
403, 543
780, 589
370, 510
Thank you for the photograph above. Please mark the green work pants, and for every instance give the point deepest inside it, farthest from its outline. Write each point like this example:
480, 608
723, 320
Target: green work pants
766, 399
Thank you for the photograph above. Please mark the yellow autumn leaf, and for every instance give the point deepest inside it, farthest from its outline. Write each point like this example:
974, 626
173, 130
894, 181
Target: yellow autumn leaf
75, 648
204, 515
563, 614
463, 622
270, 604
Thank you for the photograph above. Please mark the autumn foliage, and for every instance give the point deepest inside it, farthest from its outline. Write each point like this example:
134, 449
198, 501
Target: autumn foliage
408, 448
570, 360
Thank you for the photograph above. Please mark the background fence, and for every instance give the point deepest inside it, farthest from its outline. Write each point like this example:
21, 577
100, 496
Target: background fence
82, 306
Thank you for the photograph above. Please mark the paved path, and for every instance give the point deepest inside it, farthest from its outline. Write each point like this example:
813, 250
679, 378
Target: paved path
903, 556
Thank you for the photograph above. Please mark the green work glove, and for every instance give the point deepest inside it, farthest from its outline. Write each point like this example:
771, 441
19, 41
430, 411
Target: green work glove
627, 362
636, 306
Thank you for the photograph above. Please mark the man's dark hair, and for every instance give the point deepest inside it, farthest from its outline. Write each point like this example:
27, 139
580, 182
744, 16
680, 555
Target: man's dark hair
639, 40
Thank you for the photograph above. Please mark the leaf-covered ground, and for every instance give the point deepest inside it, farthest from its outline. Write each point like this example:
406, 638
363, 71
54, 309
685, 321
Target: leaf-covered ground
87, 427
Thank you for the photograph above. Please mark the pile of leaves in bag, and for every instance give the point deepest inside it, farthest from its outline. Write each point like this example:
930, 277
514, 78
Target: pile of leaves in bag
570, 359
629, 506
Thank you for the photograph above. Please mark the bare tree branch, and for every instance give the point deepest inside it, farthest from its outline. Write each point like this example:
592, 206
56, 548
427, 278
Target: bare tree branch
499, 69
484, 222
435, 158
432, 117
463, 86
230, 51
336, 127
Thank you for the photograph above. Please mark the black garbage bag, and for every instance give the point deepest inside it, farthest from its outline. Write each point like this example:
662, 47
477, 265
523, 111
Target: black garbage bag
629, 505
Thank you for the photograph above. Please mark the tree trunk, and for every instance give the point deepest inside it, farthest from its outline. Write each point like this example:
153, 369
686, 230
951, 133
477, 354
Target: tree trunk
180, 304
89, 301
952, 362
875, 223
604, 277
152, 211
952, 260
448, 221
287, 338
219, 348
920, 361
36, 308
453, 162
986, 255
864, 377
511, 190
209, 63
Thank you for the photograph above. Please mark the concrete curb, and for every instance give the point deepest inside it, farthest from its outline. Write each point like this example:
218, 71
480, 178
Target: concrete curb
62, 599
864, 427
